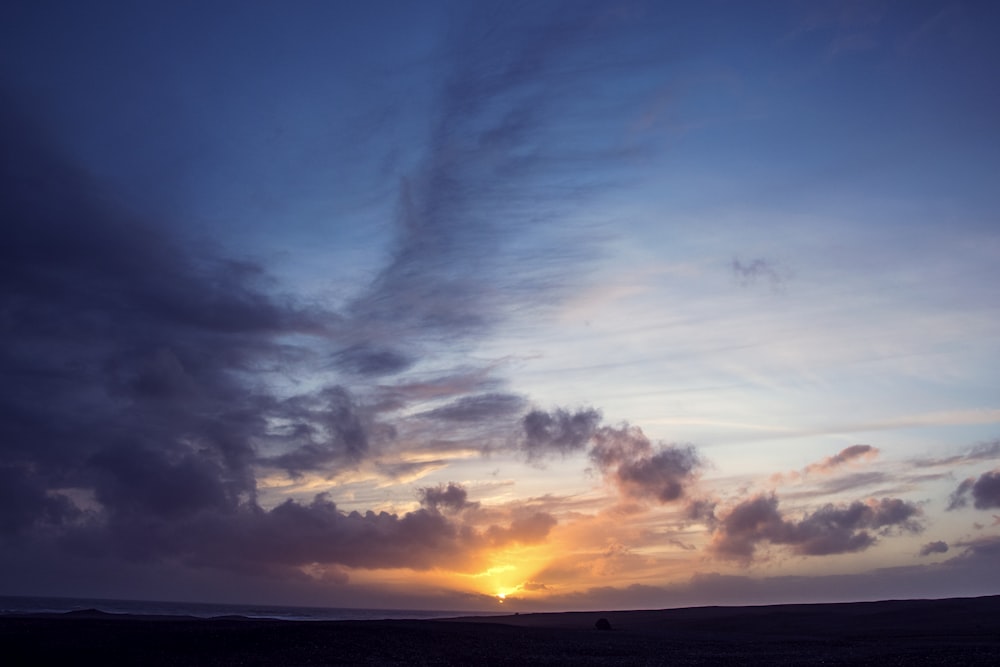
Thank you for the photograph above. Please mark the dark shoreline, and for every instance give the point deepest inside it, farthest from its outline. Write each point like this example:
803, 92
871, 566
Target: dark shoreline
962, 631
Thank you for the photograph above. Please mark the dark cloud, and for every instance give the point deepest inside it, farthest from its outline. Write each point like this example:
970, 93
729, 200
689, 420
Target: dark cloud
319, 429
482, 407
938, 547
368, 360
614, 446
293, 535
829, 530
985, 492
127, 353
641, 471
135, 479
451, 496
559, 431
290, 539
958, 498
662, 475
24, 502
623, 454
701, 509
988, 547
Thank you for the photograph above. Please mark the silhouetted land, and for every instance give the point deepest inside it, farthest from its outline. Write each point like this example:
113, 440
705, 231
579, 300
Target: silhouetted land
921, 632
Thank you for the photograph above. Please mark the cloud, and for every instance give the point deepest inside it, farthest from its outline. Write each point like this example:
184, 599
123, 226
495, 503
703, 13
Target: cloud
937, 547
128, 353
24, 502
482, 407
623, 454
558, 431
319, 429
985, 492
371, 360
452, 497
854, 481
701, 510
986, 451
846, 455
408, 471
641, 471
391, 397
749, 273
988, 547
958, 498
831, 529
832, 464
472, 194
296, 539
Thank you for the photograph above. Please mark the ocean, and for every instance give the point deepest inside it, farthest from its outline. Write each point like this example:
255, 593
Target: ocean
34, 605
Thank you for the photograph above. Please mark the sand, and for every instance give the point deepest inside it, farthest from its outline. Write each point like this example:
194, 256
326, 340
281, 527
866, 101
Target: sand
933, 632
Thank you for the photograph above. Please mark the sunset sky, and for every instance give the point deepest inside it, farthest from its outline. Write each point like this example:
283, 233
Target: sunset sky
500, 305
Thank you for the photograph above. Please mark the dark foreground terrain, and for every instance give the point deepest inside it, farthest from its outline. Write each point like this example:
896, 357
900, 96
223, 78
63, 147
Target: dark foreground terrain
923, 632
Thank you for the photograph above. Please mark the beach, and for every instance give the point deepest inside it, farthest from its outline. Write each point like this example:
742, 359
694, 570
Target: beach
926, 632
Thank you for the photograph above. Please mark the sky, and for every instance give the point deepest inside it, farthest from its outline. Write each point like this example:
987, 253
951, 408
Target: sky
500, 305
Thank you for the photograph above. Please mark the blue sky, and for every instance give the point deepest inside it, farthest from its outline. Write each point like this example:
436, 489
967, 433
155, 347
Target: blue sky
460, 305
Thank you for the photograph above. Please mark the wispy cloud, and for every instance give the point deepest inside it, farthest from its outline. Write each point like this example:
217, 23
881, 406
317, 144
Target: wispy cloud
831, 464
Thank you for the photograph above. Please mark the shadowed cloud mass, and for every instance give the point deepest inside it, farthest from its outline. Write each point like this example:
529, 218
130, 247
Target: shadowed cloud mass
985, 492
830, 529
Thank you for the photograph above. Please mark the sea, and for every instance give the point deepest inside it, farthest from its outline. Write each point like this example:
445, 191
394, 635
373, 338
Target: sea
36, 605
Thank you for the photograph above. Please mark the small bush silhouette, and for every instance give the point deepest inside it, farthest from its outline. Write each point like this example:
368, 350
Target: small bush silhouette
602, 624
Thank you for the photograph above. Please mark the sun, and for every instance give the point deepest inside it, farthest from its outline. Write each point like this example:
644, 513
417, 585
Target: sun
502, 593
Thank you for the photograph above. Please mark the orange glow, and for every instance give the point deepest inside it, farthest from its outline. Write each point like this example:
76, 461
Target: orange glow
510, 570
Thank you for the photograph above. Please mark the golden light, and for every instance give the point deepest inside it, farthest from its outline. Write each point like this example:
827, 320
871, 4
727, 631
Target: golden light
507, 575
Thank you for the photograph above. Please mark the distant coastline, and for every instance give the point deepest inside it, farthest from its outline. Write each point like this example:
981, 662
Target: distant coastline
20, 605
